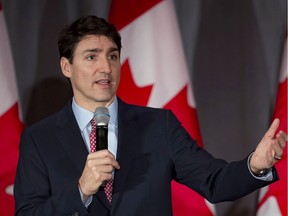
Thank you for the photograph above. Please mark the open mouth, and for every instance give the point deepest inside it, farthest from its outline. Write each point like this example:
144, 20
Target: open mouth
103, 82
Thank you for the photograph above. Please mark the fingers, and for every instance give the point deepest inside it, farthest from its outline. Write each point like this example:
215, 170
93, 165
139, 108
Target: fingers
277, 150
100, 154
271, 131
270, 149
282, 139
280, 143
277, 144
102, 158
98, 168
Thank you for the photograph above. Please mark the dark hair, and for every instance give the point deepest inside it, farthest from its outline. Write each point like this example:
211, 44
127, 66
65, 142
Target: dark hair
71, 35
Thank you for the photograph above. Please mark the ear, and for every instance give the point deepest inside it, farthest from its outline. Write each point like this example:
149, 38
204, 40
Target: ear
65, 67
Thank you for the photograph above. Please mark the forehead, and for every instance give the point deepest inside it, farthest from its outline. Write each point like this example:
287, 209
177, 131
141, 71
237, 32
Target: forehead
91, 42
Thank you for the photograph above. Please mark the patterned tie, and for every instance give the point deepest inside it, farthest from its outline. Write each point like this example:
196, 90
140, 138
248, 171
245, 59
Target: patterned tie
109, 184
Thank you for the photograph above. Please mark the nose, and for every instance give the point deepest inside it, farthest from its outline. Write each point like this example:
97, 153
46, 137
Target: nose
105, 66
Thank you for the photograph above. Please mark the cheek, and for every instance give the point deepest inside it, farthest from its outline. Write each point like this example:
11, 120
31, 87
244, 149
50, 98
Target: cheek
80, 72
79, 77
117, 77
116, 72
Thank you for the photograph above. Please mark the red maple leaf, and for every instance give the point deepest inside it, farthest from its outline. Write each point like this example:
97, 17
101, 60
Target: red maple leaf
129, 91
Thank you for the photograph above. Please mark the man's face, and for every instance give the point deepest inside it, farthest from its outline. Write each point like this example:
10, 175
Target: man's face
95, 71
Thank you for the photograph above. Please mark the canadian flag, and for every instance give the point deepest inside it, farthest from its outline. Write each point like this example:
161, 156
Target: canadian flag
273, 198
10, 124
154, 73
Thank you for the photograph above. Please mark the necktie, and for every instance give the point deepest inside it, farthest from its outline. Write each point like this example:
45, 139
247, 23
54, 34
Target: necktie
109, 184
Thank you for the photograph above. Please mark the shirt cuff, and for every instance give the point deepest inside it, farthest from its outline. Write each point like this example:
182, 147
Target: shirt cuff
86, 201
268, 177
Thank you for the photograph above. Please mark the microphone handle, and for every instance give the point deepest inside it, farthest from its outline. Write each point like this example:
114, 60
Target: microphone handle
101, 137
102, 143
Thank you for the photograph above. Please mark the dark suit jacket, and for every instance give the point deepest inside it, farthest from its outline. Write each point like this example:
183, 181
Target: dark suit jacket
153, 149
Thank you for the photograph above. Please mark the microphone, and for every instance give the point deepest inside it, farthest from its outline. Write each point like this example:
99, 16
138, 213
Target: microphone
101, 117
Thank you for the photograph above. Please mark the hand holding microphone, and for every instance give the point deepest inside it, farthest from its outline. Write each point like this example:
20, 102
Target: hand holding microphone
100, 164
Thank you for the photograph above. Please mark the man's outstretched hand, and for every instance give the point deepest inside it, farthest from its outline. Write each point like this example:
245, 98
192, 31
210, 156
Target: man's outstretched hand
269, 150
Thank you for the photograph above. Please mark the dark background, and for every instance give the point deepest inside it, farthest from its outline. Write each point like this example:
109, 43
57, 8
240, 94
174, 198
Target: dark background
233, 50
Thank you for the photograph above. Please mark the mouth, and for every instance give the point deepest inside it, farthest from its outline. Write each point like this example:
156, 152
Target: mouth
103, 82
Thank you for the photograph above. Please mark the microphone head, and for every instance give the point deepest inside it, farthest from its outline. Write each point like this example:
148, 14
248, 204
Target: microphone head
101, 116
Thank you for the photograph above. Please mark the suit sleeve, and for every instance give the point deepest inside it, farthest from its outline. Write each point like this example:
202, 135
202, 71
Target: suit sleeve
32, 188
214, 179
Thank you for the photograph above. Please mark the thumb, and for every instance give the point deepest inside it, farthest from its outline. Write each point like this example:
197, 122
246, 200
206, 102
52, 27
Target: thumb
274, 126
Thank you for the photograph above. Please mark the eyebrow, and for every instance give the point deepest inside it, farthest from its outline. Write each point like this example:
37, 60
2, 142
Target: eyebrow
98, 50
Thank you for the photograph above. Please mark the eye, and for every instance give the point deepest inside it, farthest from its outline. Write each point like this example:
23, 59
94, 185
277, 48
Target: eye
91, 57
113, 57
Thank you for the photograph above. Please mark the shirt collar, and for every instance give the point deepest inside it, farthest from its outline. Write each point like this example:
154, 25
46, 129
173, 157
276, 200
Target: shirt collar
84, 116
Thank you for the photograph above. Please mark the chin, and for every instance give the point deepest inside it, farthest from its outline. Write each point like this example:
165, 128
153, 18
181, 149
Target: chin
105, 99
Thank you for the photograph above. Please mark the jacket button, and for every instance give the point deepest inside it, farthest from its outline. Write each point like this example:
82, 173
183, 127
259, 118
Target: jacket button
76, 214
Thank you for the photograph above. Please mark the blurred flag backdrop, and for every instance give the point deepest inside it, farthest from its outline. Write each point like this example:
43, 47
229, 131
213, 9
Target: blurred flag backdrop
10, 124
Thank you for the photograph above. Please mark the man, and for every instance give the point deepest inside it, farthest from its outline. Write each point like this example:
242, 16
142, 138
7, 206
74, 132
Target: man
59, 174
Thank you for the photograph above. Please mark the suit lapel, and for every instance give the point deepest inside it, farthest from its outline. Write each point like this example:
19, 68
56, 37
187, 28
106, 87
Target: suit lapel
127, 150
71, 139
